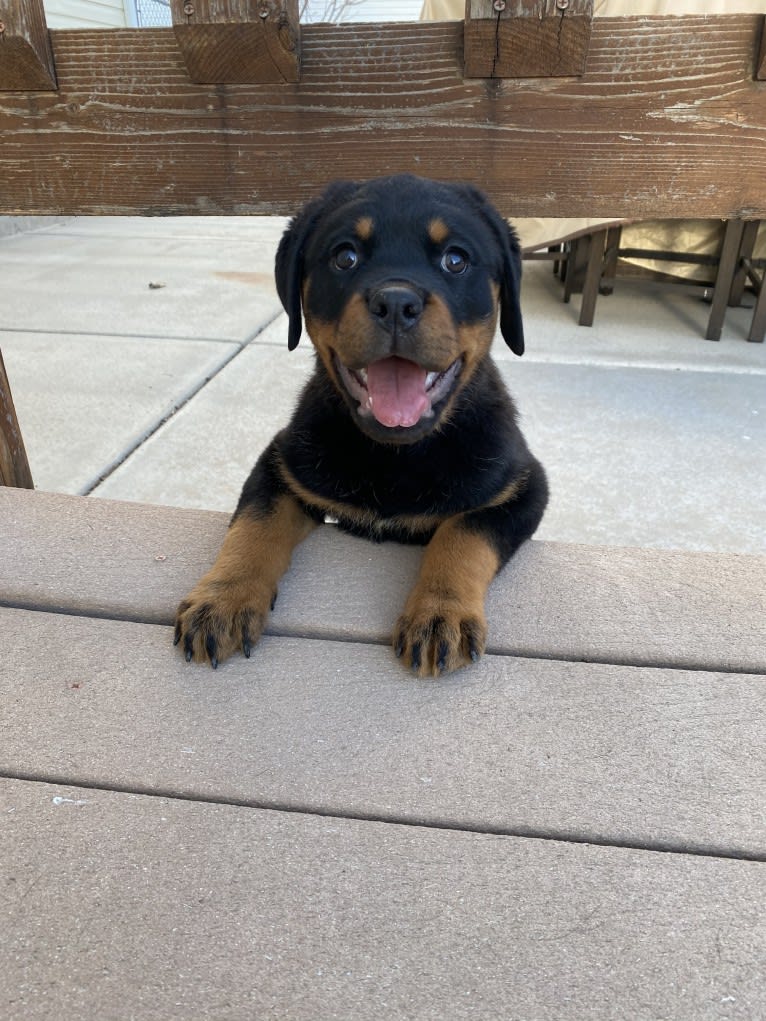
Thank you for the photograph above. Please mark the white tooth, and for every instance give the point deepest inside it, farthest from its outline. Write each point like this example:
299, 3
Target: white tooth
362, 373
431, 379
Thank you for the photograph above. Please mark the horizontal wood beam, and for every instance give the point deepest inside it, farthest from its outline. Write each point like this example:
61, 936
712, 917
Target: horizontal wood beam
526, 38
26, 59
239, 42
666, 121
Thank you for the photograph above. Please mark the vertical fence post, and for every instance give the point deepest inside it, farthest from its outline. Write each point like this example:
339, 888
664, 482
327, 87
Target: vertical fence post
526, 38
14, 467
238, 42
760, 64
26, 57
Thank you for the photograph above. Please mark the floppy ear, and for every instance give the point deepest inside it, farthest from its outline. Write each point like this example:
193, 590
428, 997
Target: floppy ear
289, 268
510, 270
511, 325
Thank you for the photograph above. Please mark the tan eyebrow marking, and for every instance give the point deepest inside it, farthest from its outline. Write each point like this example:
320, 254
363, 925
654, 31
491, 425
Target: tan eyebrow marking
364, 227
438, 231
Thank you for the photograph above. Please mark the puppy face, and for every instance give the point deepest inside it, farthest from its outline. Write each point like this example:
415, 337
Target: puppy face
400, 281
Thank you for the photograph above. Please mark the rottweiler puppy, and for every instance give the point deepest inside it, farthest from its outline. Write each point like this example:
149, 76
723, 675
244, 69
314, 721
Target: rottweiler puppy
405, 431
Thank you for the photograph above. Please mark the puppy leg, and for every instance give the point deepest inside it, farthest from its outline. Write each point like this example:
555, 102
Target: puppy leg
443, 626
227, 609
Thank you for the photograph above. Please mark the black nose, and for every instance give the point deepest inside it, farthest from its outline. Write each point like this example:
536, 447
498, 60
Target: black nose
396, 307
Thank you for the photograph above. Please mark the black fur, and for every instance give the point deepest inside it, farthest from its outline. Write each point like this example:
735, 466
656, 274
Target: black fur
443, 461
464, 463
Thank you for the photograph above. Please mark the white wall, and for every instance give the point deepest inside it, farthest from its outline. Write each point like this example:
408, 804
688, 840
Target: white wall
85, 13
366, 10
119, 13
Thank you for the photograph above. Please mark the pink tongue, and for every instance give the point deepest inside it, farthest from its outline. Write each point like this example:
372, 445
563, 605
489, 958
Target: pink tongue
397, 391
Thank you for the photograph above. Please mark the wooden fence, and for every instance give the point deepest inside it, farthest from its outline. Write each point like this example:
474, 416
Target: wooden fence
240, 109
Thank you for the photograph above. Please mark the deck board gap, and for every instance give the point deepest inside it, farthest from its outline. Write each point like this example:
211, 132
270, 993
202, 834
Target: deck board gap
521, 833
310, 635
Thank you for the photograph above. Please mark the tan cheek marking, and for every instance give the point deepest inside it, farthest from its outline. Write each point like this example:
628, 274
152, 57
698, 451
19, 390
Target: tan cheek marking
441, 340
438, 342
322, 336
476, 338
355, 335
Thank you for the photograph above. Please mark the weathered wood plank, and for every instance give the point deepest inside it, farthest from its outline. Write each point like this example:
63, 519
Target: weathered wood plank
760, 64
526, 38
238, 41
647, 130
14, 466
277, 915
26, 59
92, 556
527, 746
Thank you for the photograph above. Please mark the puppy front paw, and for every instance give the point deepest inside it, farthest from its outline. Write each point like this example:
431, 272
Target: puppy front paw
218, 617
435, 636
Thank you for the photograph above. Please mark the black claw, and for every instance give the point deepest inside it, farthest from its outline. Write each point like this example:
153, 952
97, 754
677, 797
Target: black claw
399, 647
472, 639
441, 656
274, 599
177, 635
247, 644
416, 656
211, 649
189, 648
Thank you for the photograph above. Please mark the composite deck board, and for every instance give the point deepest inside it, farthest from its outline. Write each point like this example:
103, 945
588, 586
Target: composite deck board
593, 752
122, 906
133, 561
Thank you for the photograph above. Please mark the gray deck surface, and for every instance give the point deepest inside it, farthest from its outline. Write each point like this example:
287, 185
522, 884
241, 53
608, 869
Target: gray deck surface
613, 604
312, 833
575, 828
133, 907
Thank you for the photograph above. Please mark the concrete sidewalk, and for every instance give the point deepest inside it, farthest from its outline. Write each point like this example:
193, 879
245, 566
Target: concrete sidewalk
148, 362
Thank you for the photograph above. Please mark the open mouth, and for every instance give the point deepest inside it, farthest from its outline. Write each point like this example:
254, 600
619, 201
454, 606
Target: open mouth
396, 392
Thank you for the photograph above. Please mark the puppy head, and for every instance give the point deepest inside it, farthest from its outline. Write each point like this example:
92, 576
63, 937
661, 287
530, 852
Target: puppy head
400, 280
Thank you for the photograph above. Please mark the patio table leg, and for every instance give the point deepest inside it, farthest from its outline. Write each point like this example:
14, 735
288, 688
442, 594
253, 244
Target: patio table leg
727, 265
749, 235
593, 271
758, 325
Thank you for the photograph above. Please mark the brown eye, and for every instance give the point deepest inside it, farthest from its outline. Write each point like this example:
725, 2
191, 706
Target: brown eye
454, 261
345, 257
